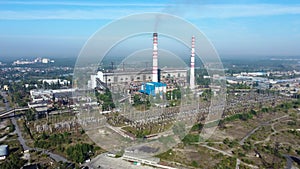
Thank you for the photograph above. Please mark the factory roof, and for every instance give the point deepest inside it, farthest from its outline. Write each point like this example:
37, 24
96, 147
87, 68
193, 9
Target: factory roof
156, 84
138, 71
149, 88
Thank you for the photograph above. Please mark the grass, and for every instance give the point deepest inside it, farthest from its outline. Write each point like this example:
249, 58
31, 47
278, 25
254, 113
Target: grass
148, 129
238, 126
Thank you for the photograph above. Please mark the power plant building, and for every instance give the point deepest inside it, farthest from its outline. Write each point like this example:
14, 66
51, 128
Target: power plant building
117, 77
153, 88
143, 76
94, 78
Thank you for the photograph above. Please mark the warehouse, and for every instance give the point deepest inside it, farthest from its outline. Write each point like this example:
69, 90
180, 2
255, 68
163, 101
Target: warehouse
153, 88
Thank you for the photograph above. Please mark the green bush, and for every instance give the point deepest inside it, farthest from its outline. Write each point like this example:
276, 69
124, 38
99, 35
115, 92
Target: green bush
11, 128
79, 152
13, 161
195, 164
190, 138
197, 127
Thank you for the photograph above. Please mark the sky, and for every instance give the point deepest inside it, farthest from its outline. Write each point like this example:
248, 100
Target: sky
237, 28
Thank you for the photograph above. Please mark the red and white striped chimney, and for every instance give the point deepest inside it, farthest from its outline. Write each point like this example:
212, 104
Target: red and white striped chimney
192, 74
155, 62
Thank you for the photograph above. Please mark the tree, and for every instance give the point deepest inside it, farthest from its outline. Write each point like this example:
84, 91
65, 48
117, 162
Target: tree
30, 115
197, 127
226, 141
191, 138
195, 164
13, 161
176, 94
105, 100
79, 152
137, 100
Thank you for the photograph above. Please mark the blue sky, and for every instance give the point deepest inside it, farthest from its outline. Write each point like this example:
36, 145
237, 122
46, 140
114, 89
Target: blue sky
237, 28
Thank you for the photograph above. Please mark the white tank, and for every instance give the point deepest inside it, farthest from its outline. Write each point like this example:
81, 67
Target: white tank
3, 150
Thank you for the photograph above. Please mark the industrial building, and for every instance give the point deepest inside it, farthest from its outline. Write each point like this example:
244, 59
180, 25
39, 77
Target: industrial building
56, 81
43, 100
153, 88
148, 81
94, 78
127, 77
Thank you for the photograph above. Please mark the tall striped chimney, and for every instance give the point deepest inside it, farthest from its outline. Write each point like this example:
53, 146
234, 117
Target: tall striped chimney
155, 63
192, 74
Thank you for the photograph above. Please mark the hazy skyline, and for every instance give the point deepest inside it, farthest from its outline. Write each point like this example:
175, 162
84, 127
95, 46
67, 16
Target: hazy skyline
236, 28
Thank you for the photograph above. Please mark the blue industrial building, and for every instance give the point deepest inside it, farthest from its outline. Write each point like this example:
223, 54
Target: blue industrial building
153, 88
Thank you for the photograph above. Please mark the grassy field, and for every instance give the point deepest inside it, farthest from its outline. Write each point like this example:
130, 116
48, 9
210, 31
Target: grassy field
274, 131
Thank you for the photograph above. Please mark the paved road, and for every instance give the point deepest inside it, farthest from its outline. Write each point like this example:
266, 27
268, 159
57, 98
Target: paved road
290, 160
10, 111
14, 122
22, 141
55, 157
105, 162
20, 137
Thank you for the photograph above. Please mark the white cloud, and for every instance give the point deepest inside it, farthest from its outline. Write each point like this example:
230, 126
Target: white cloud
192, 11
42, 37
68, 14
230, 11
87, 4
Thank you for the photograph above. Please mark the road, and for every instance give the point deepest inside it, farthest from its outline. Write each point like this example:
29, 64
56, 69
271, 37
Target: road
271, 122
238, 162
258, 127
290, 160
220, 151
10, 111
20, 137
55, 157
105, 162
250, 133
14, 122
22, 141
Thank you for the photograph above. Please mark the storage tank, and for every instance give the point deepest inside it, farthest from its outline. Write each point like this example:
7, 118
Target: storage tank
3, 150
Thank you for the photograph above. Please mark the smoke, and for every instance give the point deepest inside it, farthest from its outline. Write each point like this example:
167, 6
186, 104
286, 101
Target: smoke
177, 8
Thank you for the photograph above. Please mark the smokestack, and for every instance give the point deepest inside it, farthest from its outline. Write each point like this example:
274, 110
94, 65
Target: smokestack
155, 63
192, 74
